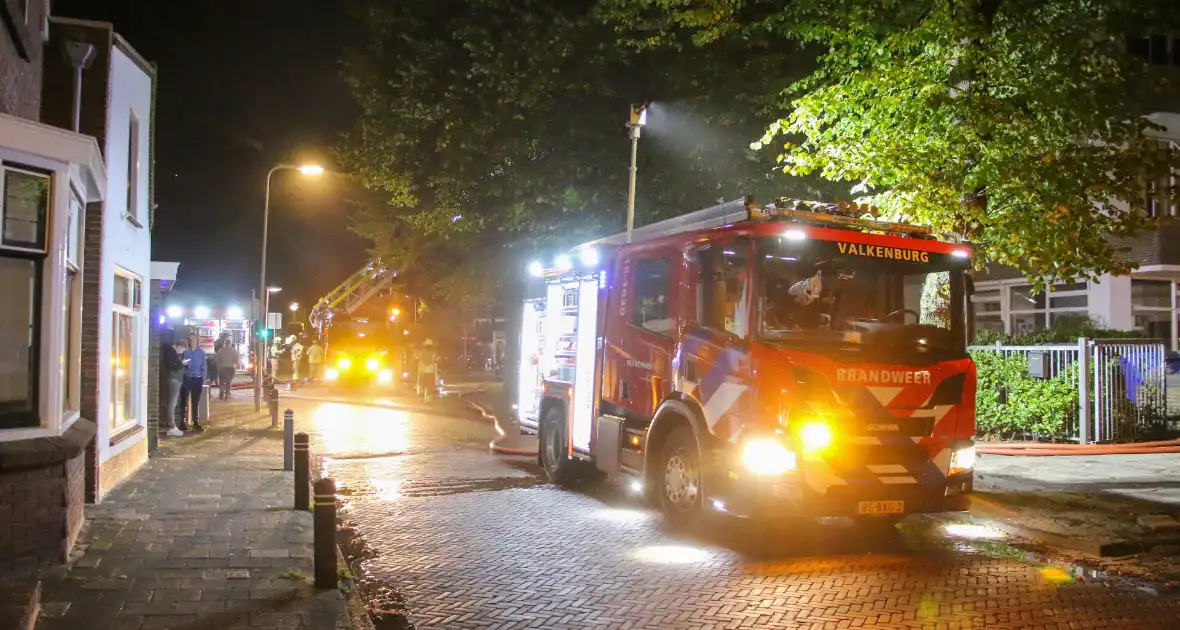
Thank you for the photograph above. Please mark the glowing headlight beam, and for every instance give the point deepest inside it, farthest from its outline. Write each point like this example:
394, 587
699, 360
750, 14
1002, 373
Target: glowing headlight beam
767, 456
815, 437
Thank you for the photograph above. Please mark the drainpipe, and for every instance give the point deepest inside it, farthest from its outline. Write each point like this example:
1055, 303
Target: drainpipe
80, 55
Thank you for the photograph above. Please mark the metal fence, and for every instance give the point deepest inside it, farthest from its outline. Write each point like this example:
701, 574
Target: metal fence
1120, 385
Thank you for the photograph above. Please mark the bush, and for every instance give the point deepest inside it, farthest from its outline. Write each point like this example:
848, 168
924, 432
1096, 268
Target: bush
1037, 409
1064, 330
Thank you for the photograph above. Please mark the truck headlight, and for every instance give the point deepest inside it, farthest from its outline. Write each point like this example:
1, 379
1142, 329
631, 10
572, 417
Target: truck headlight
372, 364
331, 374
344, 363
385, 376
962, 460
815, 437
767, 456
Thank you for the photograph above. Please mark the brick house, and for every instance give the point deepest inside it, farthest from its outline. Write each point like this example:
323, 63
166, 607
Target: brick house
75, 242
51, 181
117, 108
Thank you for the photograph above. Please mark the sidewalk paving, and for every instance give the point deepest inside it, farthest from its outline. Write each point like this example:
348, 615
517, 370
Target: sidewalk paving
1090, 504
203, 537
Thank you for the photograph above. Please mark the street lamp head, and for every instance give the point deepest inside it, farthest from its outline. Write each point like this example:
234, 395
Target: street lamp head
638, 115
294, 306
273, 289
311, 169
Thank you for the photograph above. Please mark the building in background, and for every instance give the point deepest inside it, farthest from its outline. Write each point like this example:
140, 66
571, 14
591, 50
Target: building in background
117, 108
1147, 300
51, 180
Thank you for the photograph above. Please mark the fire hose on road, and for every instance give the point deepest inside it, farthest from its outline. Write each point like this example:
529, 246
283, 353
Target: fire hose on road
495, 443
1041, 449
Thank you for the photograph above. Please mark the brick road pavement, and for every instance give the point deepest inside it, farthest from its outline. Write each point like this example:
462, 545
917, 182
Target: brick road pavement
473, 540
201, 538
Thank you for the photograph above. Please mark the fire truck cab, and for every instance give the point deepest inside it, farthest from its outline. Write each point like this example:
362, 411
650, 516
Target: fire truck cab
759, 362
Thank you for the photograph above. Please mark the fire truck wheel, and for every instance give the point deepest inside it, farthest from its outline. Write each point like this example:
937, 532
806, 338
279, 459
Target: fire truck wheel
559, 467
680, 478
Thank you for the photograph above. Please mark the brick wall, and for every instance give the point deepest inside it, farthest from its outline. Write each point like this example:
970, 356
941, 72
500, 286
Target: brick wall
118, 468
42, 516
21, 52
75, 500
91, 318
57, 93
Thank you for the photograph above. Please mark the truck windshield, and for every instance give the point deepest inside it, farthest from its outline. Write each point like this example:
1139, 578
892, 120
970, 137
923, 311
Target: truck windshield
830, 292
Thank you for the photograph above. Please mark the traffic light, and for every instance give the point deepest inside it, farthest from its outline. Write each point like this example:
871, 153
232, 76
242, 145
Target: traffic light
264, 333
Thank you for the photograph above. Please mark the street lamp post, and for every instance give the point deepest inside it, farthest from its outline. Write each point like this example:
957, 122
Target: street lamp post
266, 341
638, 120
259, 344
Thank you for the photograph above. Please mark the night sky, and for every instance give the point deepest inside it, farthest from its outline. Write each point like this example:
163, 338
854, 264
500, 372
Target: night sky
244, 85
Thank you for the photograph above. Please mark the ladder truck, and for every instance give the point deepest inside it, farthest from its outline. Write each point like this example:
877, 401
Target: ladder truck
771, 362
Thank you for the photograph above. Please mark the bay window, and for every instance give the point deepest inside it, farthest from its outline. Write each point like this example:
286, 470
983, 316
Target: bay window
24, 218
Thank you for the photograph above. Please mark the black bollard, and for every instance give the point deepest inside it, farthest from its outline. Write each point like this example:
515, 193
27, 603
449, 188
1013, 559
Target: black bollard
288, 440
273, 398
302, 471
325, 533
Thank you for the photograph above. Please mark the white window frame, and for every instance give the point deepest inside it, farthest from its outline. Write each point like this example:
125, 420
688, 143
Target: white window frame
133, 170
1047, 311
998, 298
41, 258
137, 372
1174, 309
72, 321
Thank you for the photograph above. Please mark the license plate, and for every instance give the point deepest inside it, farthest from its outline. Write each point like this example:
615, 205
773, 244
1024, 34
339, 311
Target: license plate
880, 507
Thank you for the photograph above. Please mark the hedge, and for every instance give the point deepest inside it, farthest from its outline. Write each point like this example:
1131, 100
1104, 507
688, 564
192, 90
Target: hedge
1036, 409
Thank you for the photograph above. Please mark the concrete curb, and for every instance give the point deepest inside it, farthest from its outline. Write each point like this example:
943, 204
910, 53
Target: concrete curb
358, 613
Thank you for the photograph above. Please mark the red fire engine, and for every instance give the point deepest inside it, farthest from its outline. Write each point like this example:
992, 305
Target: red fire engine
758, 361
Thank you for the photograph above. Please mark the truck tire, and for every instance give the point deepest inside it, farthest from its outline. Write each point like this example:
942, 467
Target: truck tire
559, 467
680, 478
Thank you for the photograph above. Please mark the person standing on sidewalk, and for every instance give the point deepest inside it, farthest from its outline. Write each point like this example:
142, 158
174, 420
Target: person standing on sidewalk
227, 364
174, 369
196, 371
315, 360
427, 366
296, 357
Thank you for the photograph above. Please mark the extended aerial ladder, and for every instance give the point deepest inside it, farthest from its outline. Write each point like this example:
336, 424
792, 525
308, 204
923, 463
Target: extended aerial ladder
368, 282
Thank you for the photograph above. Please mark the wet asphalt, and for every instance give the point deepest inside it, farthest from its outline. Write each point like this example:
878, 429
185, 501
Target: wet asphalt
446, 534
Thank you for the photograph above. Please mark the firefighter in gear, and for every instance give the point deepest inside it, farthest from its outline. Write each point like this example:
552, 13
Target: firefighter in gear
427, 369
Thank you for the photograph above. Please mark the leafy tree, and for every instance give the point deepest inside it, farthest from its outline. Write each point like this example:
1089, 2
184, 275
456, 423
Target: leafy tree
496, 127
1019, 125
